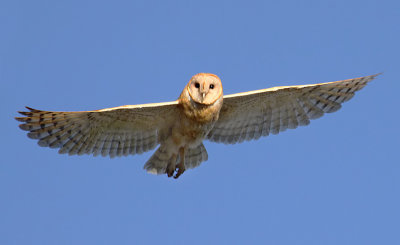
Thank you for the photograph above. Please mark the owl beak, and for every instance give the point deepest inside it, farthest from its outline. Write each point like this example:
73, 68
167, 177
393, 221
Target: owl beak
203, 94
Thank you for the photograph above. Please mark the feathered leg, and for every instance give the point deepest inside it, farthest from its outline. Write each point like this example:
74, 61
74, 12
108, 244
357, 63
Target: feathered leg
171, 165
180, 168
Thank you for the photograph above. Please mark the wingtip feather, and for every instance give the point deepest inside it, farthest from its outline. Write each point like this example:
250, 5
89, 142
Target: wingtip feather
25, 113
20, 119
372, 77
24, 127
30, 108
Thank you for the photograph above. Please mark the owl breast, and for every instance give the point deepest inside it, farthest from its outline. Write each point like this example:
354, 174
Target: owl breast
196, 121
189, 133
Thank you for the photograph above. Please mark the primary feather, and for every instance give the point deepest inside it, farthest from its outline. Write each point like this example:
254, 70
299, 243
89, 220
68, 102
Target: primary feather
201, 112
249, 115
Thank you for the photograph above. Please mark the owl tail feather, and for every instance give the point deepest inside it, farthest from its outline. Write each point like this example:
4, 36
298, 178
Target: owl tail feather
195, 156
158, 162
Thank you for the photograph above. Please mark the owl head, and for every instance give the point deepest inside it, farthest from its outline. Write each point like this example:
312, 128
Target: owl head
205, 88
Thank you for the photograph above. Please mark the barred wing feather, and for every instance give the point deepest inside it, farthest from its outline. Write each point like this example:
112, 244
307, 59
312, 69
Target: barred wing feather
117, 131
250, 115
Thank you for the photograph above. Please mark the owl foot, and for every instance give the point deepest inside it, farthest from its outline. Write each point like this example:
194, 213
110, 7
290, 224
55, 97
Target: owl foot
170, 171
171, 166
180, 169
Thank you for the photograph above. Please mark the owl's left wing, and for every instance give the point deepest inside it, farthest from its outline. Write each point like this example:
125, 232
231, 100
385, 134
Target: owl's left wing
250, 115
117, 131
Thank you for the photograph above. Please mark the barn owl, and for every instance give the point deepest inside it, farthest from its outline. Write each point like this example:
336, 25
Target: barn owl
201, 112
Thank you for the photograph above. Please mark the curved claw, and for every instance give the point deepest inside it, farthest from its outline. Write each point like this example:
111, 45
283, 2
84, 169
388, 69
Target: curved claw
180, 170
171, 166
181, 165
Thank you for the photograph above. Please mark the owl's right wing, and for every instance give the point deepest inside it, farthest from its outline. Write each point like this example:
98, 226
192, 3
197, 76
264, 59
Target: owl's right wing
250, 115
117, 131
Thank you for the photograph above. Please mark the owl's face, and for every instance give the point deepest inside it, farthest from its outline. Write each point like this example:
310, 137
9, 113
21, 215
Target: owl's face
205, 88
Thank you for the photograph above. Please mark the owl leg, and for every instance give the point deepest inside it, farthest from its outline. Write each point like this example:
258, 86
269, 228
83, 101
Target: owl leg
171, 165
181, 165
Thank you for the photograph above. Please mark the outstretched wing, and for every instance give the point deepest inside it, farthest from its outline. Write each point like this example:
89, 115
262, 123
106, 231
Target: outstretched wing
117, 131
250, 115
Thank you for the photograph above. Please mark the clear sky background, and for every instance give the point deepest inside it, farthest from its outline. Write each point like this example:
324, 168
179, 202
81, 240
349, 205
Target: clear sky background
336, 181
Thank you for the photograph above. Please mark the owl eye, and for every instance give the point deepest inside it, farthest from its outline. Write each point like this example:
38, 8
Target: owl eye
197, 85
211, 86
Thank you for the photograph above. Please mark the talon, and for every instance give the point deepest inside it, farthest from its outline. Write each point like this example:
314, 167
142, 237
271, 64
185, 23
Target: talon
169, 173
181, 170
181, 165
171, 166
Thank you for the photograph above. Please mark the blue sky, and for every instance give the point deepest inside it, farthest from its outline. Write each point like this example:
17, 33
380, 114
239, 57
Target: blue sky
335, 181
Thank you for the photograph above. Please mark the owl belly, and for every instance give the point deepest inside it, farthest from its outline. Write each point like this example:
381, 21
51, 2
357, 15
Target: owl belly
192, 126
190, 134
